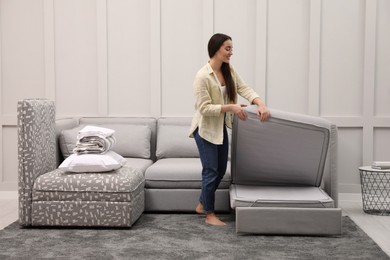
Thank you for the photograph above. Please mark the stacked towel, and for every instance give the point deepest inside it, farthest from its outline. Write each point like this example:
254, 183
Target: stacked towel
381, 165
94, 140
93, 152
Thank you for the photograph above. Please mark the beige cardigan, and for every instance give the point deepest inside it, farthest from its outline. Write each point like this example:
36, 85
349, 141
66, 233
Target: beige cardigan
209, 100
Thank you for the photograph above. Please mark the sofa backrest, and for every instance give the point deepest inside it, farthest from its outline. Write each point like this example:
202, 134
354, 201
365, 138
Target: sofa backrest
288, 149
168, 136
173, 138
63, 124
135, 136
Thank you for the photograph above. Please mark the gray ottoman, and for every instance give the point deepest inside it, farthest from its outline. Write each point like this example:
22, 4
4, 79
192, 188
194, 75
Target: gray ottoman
113, 198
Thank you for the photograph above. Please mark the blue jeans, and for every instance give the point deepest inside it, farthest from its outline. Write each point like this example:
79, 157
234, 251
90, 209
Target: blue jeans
214, 162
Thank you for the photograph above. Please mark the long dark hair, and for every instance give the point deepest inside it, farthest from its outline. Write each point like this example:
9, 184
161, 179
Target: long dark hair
215, 42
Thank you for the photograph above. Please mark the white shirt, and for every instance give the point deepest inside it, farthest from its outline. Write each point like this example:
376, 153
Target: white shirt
223, 89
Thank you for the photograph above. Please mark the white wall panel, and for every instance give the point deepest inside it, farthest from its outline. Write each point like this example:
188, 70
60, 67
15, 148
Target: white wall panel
288, 55
10, 155
128, 57
182, 54
140, 57
382, 144
342, 52
22, 52
76, 57
382, 90
242, 29
349, 158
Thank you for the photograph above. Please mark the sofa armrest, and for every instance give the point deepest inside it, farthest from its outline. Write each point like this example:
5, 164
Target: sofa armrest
330, 177
36, 148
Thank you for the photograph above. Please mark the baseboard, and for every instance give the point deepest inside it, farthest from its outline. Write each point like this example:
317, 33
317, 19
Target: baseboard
349, 188
350, 196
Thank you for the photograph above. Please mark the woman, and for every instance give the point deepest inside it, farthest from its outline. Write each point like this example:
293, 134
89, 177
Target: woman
216, 87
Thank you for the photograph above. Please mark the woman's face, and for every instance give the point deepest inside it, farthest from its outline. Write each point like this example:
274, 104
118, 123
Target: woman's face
225, 51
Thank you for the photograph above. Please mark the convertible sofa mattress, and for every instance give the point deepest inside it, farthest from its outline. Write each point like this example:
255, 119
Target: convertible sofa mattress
277, 196
277, 170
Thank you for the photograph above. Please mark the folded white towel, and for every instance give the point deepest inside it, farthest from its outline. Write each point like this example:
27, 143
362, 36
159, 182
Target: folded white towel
94, 131
381, 165
94, 144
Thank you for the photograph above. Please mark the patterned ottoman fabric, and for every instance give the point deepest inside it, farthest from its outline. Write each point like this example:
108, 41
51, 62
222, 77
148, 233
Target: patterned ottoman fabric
113, 198
119, 185
87, 213
36, 148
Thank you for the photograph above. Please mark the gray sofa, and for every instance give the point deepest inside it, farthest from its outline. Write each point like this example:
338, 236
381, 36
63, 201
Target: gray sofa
162, 173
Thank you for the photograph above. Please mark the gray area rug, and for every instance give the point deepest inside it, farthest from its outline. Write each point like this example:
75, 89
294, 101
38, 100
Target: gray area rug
180, 236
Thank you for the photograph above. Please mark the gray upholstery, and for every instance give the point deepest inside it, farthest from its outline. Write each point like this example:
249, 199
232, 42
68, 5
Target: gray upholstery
179, 173
282, 168
279, 151
63, 124
173, 182
287, 221
36, 148
138, 163
123, 180
183, 200
49, 196
88, 199
94, 213
283, 172
172, 138
131, 140
141, 121
279, 196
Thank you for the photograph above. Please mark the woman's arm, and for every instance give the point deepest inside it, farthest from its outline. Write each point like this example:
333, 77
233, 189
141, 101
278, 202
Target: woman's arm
248, 93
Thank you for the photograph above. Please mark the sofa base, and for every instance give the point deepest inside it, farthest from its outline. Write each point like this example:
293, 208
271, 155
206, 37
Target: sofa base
87, 213
182, 200
288, 221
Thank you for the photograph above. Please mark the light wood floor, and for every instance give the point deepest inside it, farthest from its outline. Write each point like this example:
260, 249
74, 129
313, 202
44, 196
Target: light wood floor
377, 227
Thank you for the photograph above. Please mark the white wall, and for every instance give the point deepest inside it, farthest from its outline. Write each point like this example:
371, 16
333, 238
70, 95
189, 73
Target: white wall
138, 58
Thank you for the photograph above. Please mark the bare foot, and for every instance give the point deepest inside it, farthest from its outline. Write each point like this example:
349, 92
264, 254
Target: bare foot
199, 208
212, 219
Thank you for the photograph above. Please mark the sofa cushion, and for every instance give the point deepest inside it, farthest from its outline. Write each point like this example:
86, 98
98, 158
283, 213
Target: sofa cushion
179, 173
131, 140
139, 164
93, 162
279, 196
173, 140
118, 185
150, 122
287, 149
67, 140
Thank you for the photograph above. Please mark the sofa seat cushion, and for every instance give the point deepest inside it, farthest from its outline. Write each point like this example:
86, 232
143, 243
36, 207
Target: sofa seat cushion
279, 196
138, 163
179, 173
122, 184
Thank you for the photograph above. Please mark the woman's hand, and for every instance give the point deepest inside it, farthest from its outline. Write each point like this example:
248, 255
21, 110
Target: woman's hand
236, 109
241, 113
262, 110
262, 113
